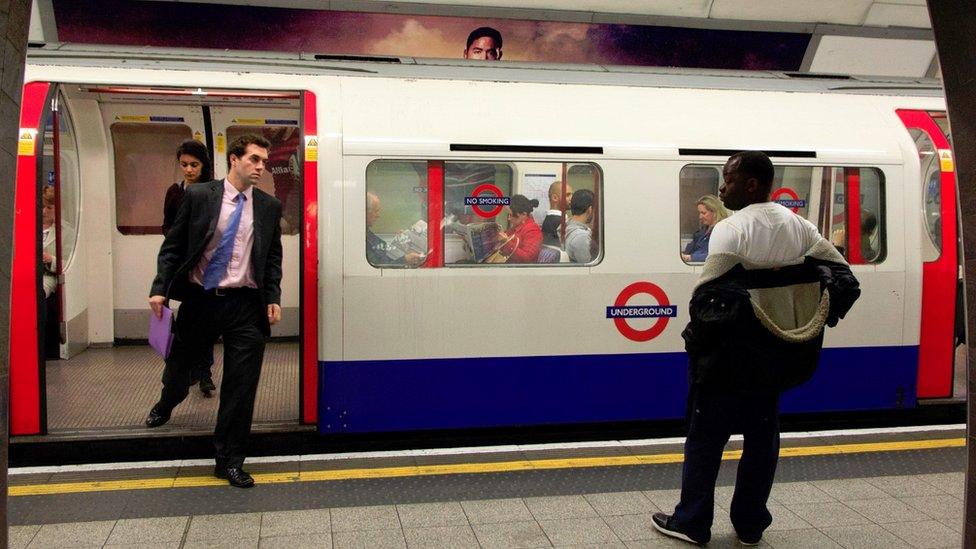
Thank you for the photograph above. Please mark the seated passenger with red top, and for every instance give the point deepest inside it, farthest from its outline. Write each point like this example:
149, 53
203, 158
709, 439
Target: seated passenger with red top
525, 233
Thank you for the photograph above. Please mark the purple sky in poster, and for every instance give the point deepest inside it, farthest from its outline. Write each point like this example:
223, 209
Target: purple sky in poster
179, 24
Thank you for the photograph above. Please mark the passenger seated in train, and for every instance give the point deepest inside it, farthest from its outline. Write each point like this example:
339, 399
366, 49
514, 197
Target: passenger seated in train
710, 211
558, 203
194, 161
524, 236
579, 235
379, 252
870, 249
49, 268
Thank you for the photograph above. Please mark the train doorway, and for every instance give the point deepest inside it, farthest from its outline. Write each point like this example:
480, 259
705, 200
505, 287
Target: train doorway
108, 154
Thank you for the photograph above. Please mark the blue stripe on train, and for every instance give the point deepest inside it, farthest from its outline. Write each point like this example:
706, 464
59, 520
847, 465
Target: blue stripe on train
399, 395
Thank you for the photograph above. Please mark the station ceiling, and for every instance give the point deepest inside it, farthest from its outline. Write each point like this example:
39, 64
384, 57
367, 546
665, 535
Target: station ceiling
867, 37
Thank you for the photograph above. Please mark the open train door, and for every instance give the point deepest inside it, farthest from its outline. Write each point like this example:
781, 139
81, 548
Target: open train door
940, 262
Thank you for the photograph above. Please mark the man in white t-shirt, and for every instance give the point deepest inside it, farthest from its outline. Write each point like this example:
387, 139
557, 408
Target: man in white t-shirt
767, 235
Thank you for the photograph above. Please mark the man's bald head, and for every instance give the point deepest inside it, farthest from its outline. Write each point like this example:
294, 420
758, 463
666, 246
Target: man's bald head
556, 199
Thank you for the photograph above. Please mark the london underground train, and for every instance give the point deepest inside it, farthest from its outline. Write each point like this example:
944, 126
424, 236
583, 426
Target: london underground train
401, 295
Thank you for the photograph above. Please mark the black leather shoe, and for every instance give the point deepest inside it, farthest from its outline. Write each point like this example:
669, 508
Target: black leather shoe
206, 386
235, 475
661, 520
156, 417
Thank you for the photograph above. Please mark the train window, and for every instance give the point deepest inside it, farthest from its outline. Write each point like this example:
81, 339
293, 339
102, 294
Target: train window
396, 213
70, 184
145, 167
481, 227
928, 160
282, 176
864, 187
700, 209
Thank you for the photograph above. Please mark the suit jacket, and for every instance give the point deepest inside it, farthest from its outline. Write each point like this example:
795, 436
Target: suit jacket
194, 226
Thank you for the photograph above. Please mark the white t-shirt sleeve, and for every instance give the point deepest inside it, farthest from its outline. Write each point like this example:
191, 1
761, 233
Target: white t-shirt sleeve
724, 238
811, 235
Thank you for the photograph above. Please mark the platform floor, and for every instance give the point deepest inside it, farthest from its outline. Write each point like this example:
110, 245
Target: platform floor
878, 488
113, 389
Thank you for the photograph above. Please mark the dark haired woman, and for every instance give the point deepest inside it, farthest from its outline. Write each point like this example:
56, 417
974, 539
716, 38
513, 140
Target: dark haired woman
194, 162
527, 234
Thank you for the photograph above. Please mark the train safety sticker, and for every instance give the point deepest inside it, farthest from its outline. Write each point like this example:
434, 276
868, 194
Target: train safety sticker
25, 144
221, 143
945, 160
311, 148
621, 312
788, 197
479, 202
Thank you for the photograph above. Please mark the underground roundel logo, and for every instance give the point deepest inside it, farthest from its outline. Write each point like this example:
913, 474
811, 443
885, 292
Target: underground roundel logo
621, 312
788, 197
478, 202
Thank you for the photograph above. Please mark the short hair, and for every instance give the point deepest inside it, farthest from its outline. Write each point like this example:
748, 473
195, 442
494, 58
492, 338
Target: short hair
199, 151
371, 201
755, 164
714, 205
239, 146
48, 196
483, 32
557, 188
520, 204
582, 199
869, 221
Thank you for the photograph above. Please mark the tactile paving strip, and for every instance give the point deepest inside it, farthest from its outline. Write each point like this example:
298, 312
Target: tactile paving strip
115, 388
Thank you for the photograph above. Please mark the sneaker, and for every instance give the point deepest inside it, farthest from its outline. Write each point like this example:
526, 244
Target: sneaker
660, 521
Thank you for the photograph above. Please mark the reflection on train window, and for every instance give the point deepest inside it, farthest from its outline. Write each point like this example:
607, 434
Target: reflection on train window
396, 213
488, 217
69, 190
282, 176
928, 160
503, 207
145, 167
806, 190
862, 189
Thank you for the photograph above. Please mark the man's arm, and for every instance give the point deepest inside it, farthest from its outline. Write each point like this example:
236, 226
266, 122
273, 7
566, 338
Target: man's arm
272, 268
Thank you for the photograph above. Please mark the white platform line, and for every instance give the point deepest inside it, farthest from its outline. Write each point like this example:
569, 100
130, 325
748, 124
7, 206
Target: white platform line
472, 450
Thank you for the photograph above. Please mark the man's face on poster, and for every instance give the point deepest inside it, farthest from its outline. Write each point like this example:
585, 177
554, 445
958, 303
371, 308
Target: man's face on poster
483, 48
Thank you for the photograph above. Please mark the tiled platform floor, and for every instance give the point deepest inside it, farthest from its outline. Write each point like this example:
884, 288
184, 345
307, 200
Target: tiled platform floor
125, 383
922, 511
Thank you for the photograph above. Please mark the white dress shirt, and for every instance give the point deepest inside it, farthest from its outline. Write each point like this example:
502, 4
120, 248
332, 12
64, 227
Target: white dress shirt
767, 234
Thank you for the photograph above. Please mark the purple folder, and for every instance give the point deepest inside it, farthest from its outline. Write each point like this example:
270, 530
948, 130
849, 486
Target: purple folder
161, 332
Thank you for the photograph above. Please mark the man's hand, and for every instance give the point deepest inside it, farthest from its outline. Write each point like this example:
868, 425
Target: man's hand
414, 259
156, 304
47, 258
274, 313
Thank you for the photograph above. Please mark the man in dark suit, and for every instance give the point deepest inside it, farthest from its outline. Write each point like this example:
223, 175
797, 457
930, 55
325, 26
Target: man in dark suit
222, 261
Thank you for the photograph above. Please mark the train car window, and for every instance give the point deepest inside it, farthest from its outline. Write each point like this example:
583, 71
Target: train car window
481, 227
865, 187
928, 160
282, 176
791, 188
145, 167
70, 184
396, 213
699, 209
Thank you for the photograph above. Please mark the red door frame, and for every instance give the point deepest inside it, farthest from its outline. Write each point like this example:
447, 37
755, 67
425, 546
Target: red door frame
936, 354
26, 387
310, 263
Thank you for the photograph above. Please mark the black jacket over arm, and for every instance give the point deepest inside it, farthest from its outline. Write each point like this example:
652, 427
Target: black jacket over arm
194, 226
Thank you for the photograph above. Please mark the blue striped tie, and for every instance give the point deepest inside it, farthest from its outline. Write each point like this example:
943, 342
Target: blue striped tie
221, 257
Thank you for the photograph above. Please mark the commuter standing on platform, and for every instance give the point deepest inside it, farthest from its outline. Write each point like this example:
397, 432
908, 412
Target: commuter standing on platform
222, 261
757, 323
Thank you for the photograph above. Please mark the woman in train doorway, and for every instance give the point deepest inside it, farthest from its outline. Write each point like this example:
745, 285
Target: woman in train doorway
49, 280
524, 234
710, 211
194, 161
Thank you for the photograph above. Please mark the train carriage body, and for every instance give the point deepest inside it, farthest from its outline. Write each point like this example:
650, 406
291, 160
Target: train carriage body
456, 343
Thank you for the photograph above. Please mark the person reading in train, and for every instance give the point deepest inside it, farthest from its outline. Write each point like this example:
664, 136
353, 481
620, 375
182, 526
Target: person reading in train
710, 211
558, 203
579, 235
49, 268
379, 252
484, 43
524, 236
194, 161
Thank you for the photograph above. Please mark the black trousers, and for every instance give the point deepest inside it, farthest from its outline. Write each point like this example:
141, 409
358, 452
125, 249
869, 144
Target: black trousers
202, 318
713, 415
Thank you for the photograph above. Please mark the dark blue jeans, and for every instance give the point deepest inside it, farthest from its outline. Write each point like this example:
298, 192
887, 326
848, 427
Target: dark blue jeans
713, 415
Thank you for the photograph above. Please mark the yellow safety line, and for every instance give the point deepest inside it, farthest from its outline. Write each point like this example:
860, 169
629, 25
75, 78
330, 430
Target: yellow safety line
464, 468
